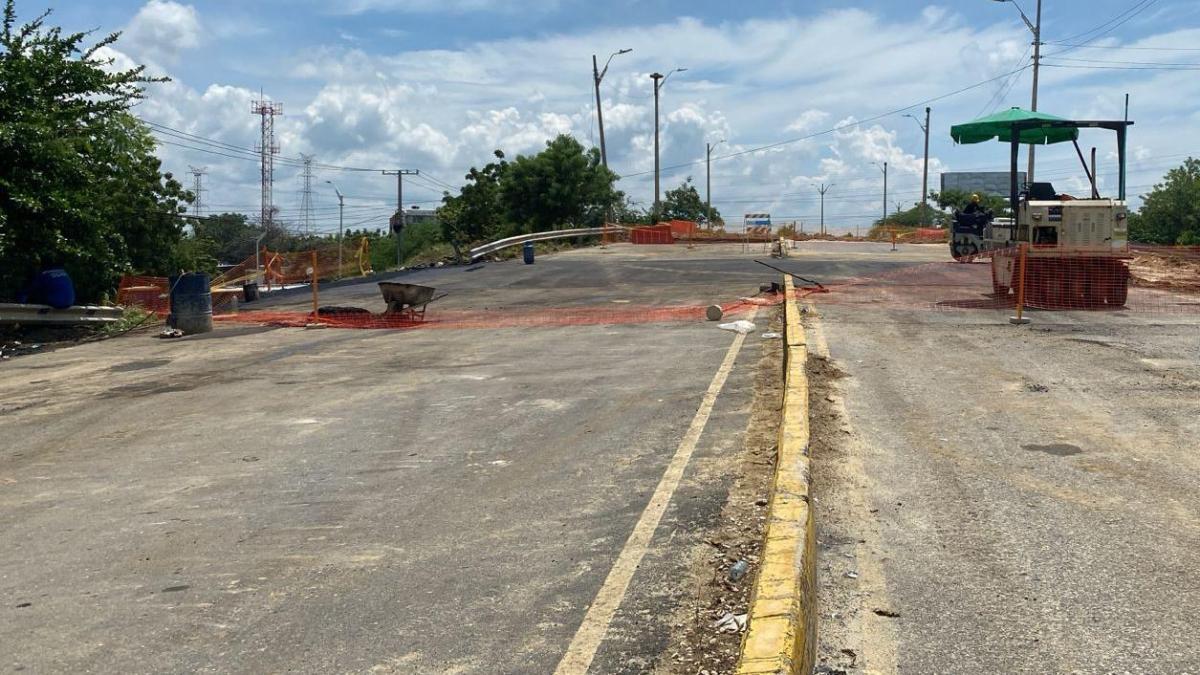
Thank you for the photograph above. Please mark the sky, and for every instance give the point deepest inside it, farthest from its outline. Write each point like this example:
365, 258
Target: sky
794, 94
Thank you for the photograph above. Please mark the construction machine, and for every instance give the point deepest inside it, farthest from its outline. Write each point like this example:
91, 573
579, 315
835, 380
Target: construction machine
1076, 249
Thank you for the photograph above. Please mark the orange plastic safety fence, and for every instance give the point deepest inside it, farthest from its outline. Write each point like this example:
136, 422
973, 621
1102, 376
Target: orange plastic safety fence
1150, 280
499, 318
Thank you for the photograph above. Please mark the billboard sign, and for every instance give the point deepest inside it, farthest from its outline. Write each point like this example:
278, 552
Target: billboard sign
994, 183
757, 219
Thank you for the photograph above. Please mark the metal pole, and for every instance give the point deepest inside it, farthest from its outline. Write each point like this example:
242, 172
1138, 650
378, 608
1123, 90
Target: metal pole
708, 183
884, 193
599, 114
656, 77
341, 208
925, 173
400, 174
1037, 57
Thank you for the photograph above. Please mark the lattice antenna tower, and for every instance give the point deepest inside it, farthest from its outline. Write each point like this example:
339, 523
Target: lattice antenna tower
198, 173
267, 149
306, 204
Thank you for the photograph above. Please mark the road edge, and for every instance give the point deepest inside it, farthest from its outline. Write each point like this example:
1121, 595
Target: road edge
781, 634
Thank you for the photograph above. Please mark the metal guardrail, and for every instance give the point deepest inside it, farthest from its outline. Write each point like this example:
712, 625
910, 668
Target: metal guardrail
494, 246
14, 313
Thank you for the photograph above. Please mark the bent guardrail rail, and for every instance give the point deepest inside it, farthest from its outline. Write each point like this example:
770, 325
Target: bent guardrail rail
480, 251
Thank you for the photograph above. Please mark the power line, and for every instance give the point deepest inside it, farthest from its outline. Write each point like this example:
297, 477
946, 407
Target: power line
836, 128
1111, 24
1144, 49
1067, 65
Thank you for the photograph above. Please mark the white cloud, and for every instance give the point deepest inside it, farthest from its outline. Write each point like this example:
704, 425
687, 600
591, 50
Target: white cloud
161, 31
754, 83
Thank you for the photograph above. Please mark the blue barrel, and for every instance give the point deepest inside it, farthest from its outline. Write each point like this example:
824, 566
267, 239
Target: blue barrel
191, 303
527, 252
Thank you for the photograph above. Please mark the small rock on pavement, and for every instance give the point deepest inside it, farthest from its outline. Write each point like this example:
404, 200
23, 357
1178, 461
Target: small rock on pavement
714, 313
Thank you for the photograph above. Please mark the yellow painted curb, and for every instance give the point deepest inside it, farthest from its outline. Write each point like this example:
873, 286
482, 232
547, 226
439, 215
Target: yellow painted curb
782, 633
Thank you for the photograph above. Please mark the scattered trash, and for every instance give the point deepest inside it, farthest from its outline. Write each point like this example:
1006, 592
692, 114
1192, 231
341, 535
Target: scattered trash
772, 287
714, 313
742, 326
315, 325
852, 654
771, 336
170, 333
851, 575
738, 570
887, 612
760, 502
1037, 388
730, 623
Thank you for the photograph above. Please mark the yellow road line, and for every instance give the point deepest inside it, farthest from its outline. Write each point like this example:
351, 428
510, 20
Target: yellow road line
582, 649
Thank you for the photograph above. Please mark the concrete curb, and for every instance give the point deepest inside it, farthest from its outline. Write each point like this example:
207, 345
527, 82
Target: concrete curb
782, 631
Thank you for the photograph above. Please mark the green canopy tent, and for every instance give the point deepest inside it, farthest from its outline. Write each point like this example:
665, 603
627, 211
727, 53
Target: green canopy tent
1016, 127
998, 126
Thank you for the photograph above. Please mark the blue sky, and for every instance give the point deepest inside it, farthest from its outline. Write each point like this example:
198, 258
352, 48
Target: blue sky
437, 84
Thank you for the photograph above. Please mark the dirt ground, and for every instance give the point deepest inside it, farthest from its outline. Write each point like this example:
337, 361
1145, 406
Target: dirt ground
1157, 270
697, 645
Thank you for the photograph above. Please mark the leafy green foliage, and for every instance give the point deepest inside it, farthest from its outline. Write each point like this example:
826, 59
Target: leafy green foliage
684, 203
563, 186
79, 183
1170, 213
958, 199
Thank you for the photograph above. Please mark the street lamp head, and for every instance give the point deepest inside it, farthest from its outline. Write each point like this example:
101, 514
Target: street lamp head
624, 51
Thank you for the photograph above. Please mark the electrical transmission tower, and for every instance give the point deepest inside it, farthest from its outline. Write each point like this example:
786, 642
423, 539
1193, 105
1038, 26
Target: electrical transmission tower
306, 195
197, 186
267, 149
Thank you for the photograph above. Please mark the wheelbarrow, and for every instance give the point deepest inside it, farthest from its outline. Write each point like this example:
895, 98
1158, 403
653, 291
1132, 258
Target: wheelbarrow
407, 300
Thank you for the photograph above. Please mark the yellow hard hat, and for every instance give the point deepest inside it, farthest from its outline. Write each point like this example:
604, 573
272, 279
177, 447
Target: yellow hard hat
975, 198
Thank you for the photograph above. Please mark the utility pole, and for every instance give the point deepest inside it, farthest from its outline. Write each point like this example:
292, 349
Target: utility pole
823, 189
197, 186
341, 210
884, 168
1035, 27
400, 219
708, 148
267, 149
659, 81
925, 170
306, 195
597, 76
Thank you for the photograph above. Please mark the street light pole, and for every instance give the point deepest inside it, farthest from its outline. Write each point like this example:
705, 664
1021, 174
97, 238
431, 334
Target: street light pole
1035, 27
659, 81
708, 148
341, 212
884, 169
823, 189
597, 76
925, 169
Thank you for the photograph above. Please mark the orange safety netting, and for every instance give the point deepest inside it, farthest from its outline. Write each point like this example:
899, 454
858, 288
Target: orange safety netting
1152, 280
498, 318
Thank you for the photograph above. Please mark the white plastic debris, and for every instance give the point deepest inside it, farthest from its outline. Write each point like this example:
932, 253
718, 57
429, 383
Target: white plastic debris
742, 326
730, 623
771, 336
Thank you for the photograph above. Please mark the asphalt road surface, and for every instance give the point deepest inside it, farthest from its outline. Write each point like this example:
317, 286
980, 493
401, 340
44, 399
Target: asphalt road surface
266, 500
995, 498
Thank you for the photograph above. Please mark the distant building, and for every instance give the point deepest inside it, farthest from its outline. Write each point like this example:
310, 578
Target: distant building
415, 216
994, 183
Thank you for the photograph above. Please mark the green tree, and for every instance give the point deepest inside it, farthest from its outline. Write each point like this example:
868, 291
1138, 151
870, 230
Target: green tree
1170, 213
231, 234
958, 199
79, 182
475, 214
563, 186
684, 203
